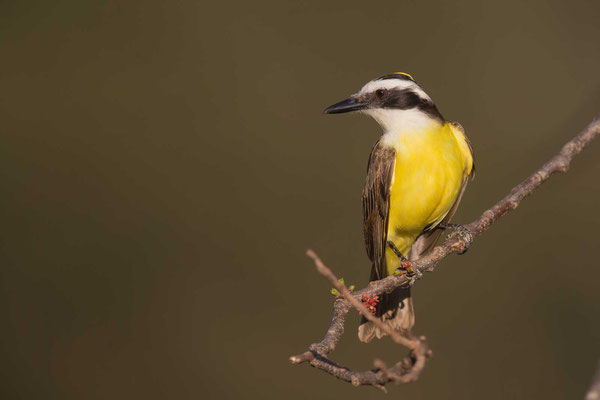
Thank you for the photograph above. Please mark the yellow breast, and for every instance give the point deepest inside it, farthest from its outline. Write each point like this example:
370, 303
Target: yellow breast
431, 167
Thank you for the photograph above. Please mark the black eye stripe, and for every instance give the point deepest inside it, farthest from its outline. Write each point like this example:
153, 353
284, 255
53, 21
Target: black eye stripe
403, 99
406, 99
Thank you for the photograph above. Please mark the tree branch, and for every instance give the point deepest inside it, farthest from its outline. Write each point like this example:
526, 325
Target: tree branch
594, 391
409, 368
326, 272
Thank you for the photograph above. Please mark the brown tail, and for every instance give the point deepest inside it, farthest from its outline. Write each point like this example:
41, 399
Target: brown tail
394, 309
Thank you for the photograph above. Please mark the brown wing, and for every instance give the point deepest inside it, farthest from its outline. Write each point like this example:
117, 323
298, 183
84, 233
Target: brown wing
426, 242
376, 206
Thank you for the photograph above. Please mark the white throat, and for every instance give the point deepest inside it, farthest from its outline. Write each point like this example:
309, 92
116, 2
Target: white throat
401, 121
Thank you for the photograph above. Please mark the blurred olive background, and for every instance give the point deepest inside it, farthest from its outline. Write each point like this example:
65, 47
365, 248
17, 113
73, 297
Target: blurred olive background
165, 165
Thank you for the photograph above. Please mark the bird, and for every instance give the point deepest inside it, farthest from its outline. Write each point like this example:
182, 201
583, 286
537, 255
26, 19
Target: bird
416, 175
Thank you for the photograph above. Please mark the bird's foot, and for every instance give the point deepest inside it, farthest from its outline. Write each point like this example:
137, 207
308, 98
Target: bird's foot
463, 233
406, 267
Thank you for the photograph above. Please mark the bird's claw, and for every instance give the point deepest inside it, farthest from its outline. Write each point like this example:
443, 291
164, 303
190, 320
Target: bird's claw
463, 233
406, 268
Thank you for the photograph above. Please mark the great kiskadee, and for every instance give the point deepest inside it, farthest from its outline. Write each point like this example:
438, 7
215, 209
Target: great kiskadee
416, 175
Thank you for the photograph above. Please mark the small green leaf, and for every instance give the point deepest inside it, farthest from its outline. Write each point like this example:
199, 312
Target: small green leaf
341, 280
351, 288
398, 272
335, 292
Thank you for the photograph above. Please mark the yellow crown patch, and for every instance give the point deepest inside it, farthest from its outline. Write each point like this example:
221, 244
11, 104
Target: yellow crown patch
405, 74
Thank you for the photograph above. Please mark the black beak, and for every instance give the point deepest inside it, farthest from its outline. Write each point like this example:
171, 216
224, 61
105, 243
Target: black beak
344, 106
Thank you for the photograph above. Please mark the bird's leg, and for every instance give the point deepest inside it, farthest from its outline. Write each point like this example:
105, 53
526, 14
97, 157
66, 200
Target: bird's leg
392, 246
405, 264
462, 231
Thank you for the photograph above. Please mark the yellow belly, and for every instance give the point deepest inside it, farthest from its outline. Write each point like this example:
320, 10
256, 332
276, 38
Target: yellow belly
431, 166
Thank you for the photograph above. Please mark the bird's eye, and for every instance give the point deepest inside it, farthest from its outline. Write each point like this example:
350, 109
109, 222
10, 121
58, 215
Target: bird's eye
380, 92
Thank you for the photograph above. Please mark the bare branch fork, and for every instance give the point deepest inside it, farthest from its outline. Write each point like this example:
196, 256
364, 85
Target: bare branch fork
409, 368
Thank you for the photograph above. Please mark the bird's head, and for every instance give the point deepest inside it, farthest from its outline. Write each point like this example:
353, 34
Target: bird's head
393, 100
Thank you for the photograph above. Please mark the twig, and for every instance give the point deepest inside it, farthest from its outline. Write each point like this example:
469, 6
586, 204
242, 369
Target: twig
326, 272
594, 392
409, 368
419, 352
